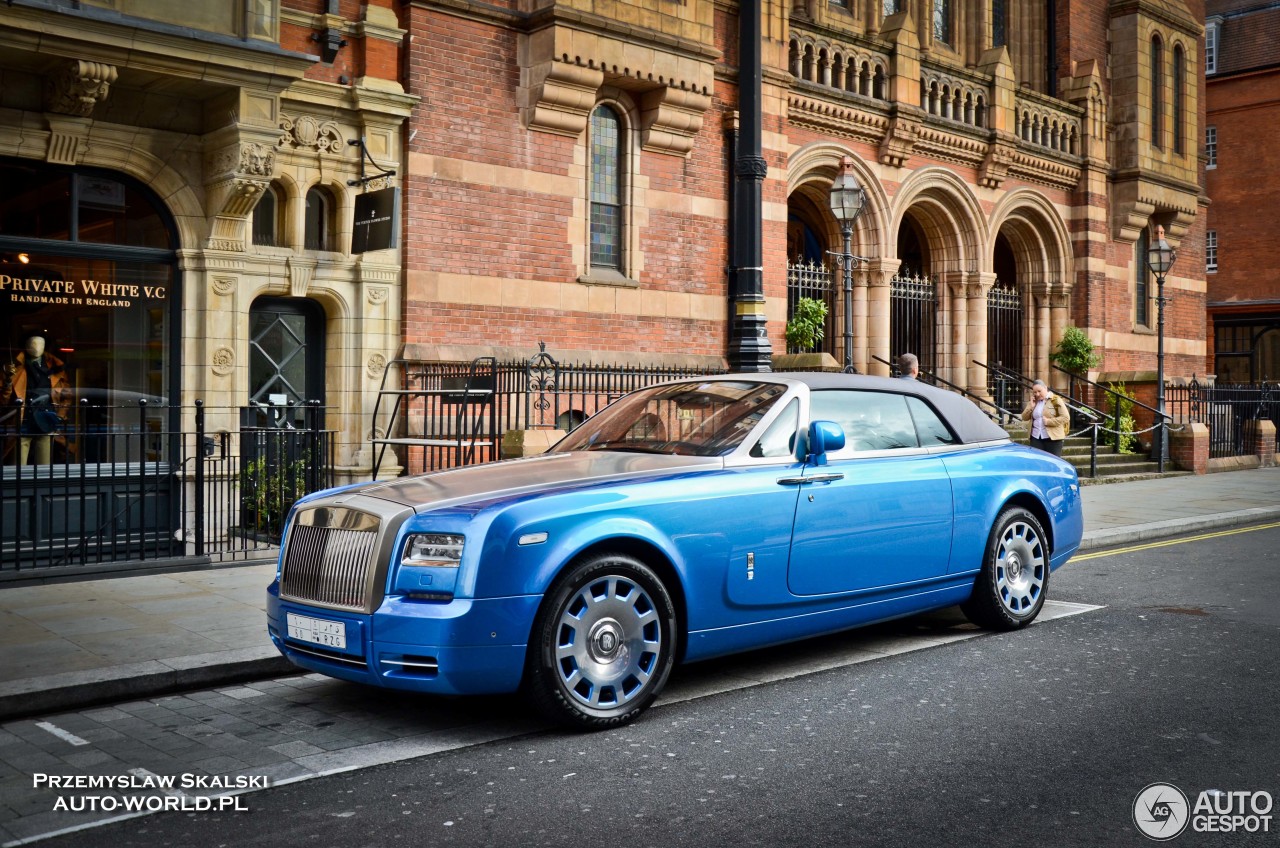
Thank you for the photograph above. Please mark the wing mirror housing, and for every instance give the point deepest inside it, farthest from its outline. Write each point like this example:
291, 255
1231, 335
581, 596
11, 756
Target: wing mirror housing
824, 436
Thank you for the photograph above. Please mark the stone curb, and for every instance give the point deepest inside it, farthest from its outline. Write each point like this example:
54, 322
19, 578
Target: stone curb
1131, 533
76, 690
79, 689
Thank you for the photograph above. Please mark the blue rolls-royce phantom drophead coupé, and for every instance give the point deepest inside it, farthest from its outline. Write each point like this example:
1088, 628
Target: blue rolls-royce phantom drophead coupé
685, 521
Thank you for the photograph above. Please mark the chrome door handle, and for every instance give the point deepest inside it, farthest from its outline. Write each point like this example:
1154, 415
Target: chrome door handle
814, 478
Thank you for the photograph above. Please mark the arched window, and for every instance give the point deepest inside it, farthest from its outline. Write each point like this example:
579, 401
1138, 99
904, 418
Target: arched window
319, 220
1141, 282
607, 219
1157, 92
1179, 103
942, 21
266, 218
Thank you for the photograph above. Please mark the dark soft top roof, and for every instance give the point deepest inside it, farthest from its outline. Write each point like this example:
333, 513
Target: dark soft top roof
969, 422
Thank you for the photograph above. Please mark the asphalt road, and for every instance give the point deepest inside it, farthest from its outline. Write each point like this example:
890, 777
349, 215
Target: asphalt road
1045, 737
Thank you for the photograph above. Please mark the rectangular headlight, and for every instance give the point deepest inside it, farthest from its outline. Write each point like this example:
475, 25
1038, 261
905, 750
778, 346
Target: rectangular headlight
435, 549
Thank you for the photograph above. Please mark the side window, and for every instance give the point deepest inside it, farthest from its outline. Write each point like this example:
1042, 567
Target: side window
779, 439
928, 425
870, 420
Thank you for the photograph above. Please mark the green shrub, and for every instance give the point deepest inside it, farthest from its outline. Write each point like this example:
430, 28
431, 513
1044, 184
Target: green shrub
807, 325
1075, 352
1124, 441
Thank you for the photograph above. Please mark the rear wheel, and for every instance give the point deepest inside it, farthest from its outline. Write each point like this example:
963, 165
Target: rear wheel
603, 643
1010, 590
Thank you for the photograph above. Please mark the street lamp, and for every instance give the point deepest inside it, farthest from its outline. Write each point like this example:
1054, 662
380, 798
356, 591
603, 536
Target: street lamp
847, 200
1160, 258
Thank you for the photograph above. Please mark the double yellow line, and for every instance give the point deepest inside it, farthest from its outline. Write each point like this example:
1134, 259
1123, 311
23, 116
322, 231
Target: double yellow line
1166, 544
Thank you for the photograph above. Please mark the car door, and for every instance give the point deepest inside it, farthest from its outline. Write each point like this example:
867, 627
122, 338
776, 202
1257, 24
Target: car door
879, 513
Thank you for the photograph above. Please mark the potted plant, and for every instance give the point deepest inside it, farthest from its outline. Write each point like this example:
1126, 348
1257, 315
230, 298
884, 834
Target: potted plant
807, 325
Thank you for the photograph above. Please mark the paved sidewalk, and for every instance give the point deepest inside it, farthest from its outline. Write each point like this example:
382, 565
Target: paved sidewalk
67, 645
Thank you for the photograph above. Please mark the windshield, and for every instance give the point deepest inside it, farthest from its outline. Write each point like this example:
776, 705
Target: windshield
688, 419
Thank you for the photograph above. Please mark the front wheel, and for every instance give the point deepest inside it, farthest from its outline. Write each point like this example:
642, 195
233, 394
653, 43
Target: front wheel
603, 643
1010, 590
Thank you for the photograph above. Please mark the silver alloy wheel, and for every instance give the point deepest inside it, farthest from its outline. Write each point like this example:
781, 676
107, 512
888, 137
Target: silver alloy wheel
1020, 568
608, 641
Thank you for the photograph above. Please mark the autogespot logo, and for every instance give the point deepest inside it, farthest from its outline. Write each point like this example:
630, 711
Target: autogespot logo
1160, 811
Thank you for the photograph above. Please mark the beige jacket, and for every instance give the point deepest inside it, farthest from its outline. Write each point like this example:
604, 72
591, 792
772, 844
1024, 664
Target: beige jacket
1056, 416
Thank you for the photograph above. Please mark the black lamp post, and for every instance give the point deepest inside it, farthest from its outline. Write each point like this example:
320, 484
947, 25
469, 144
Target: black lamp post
1160, 258
847, 200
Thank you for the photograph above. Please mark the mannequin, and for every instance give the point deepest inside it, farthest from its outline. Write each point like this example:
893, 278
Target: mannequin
37, 380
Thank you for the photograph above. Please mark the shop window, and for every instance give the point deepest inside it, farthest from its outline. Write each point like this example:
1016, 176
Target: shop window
319, 220
608, 170
88, 288
266, 218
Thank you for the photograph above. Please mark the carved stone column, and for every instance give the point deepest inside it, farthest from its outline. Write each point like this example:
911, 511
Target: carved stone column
979, 284
957, 365
860, 307
1059, 315
1041, 328
879, 274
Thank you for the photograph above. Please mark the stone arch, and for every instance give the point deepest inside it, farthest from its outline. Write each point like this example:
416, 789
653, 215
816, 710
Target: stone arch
1038, 234
948, 213
811, 171
171, 187
1041, 244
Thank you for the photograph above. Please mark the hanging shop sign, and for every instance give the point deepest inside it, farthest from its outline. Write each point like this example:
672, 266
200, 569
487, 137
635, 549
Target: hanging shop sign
377, 220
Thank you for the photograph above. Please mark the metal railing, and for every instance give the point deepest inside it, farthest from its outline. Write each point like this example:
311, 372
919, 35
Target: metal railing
539, 393
813, 280
1226, 411
151, 484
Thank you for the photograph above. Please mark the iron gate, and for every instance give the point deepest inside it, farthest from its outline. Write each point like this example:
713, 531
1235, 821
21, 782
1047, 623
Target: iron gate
812, 279
913, 319
1004, 338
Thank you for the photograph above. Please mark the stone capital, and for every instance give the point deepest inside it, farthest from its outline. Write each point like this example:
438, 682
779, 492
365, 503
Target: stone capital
78, 86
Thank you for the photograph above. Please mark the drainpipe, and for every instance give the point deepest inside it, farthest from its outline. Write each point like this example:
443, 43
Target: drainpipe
749, 348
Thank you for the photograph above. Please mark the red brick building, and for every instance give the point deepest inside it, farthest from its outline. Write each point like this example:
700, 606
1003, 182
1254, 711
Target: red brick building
1242, 96
570, 170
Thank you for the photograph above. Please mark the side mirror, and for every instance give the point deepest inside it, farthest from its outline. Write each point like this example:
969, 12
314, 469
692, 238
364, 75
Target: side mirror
824, 436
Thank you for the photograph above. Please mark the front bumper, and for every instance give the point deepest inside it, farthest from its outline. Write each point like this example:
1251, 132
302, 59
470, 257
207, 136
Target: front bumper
462, 647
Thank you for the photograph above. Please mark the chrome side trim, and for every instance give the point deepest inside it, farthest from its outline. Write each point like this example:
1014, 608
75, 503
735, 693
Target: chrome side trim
293, 646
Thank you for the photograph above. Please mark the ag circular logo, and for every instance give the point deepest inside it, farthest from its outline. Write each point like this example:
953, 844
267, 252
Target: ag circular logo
1161, 812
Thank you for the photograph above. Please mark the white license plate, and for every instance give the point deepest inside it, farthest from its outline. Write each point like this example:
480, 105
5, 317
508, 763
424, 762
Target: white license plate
317, 631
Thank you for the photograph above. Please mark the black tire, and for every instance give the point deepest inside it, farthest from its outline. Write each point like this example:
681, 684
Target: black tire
1011, 587
603, 643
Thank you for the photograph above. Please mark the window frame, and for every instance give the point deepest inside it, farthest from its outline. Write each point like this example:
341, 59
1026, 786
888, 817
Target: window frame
1142, 281
1179, 99
327, 204
277, 214
1211, 30
1157, 91
618, 154
1211, 251
1211, 147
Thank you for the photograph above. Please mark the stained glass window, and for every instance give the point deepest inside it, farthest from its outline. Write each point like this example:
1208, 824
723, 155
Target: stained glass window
606, 189
942, 21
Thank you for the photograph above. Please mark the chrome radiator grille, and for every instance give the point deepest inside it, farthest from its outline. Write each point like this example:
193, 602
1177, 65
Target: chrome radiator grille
329, 557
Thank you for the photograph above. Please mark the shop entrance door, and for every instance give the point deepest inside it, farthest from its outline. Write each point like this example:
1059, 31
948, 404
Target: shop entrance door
286, 359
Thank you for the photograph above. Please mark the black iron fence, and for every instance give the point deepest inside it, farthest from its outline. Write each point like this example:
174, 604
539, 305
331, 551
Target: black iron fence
539, 393
813, 280
1226, 410
147, 484
913, 318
